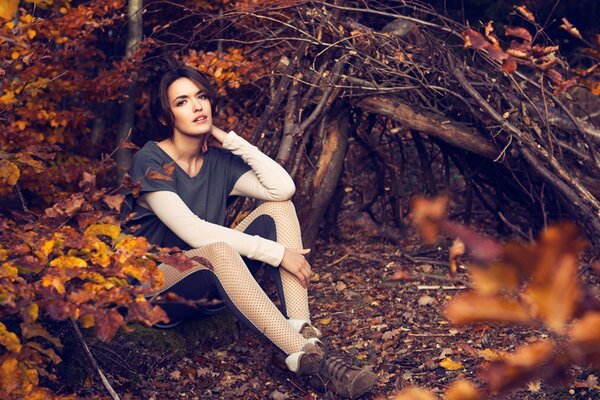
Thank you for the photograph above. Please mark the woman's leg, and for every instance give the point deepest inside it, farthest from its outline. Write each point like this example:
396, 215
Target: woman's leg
230, 277
293, 295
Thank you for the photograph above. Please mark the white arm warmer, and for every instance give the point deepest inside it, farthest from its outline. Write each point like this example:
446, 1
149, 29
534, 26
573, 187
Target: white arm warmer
267, 180
176, 215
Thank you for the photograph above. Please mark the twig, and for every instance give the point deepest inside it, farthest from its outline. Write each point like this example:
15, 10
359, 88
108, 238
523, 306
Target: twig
435, 287
93, 361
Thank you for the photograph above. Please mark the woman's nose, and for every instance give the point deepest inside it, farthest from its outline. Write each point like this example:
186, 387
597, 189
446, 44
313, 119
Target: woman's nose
197, 105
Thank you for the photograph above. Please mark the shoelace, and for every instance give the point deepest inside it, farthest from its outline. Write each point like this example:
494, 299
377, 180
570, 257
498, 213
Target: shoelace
337, 367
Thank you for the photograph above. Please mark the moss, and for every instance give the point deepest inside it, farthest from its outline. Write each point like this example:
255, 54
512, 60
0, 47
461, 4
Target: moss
214, 331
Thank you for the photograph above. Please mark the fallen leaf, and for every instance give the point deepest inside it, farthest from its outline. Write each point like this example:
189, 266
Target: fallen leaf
462, 389
325, 321
535, 386
426, 300
339, 286
449, 365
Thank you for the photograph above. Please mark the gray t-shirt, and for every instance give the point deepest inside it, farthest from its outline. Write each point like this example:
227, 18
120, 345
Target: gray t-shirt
205, 194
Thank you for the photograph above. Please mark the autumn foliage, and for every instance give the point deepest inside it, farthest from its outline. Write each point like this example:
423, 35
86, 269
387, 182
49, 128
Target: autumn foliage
535, 284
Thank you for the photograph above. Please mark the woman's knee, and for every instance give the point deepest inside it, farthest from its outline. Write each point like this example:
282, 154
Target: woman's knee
278, 209
217, 253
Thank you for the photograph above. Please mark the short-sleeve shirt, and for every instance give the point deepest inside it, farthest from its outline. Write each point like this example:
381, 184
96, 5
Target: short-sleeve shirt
205, 194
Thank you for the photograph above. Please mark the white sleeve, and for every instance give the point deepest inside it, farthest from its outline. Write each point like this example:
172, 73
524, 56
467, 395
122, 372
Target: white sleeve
177, 216
267, 180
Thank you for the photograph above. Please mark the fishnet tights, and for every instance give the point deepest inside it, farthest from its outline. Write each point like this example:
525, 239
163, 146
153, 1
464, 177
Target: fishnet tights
288, 234
243, 290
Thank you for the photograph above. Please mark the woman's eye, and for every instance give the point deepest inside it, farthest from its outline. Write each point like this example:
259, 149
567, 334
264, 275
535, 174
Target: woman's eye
202, 96
180, 103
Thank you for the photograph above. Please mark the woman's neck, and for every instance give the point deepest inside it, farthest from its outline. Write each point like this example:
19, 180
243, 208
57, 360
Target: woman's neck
183, 148
185, 151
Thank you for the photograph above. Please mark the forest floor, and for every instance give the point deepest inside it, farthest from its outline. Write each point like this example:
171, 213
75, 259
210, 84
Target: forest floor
381, 305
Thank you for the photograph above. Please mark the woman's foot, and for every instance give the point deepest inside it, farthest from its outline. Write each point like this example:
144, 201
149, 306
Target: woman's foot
342, 379
307, 361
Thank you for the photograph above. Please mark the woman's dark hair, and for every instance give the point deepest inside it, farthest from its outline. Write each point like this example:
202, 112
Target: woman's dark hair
160, 108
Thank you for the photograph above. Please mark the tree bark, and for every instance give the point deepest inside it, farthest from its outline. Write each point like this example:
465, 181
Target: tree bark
451, 132
325, 179
134, 37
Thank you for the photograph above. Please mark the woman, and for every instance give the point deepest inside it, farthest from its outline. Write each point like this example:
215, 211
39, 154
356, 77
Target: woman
188, 210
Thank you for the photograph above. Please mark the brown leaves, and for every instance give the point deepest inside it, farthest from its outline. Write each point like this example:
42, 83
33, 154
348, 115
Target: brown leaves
473, 307
9, 174
518, 32
107, 324
524, 11
427, 215
567, 26
520, 367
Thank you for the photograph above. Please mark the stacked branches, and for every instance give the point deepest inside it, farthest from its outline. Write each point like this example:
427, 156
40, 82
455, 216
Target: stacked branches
504, 113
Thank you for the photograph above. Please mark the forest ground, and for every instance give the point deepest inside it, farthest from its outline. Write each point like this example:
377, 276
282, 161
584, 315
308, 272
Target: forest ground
378, 303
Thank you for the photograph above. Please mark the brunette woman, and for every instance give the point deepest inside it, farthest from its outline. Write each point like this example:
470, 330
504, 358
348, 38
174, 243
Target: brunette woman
188, 211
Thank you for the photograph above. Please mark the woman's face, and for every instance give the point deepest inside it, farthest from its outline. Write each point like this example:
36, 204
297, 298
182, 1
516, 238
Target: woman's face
190, 107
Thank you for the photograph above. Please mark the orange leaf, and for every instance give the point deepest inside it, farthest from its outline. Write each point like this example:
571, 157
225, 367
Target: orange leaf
494, 279
462, 389
587, 329
8, 9
509, 65
450, 365
526, 13
428, 214
567, 26
475, 40
519, 367
157, 176
456, 251
473, 307
413, 393
9, 174
518, 32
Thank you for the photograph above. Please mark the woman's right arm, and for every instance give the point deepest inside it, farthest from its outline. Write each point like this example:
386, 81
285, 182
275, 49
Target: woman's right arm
177, 216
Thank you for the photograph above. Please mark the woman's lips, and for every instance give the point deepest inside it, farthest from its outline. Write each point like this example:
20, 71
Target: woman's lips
201, 119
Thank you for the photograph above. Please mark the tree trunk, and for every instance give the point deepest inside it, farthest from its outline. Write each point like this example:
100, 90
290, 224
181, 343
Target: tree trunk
325, 179
134, 37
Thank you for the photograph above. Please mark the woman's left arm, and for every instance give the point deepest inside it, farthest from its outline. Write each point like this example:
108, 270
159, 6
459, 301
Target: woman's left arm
267, 180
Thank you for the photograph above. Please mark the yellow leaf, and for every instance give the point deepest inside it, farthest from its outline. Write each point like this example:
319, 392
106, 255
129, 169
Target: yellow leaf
325, 321
9, 173
68, 262
33, 311
7, 270
87, 321
9, 339
450, 365
491, 355
47, 247
110, 230
14, 55
31, 33
55, 282
8, 9
27, 18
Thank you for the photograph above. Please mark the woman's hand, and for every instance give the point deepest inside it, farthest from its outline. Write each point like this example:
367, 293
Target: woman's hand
295, 263
218, 133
